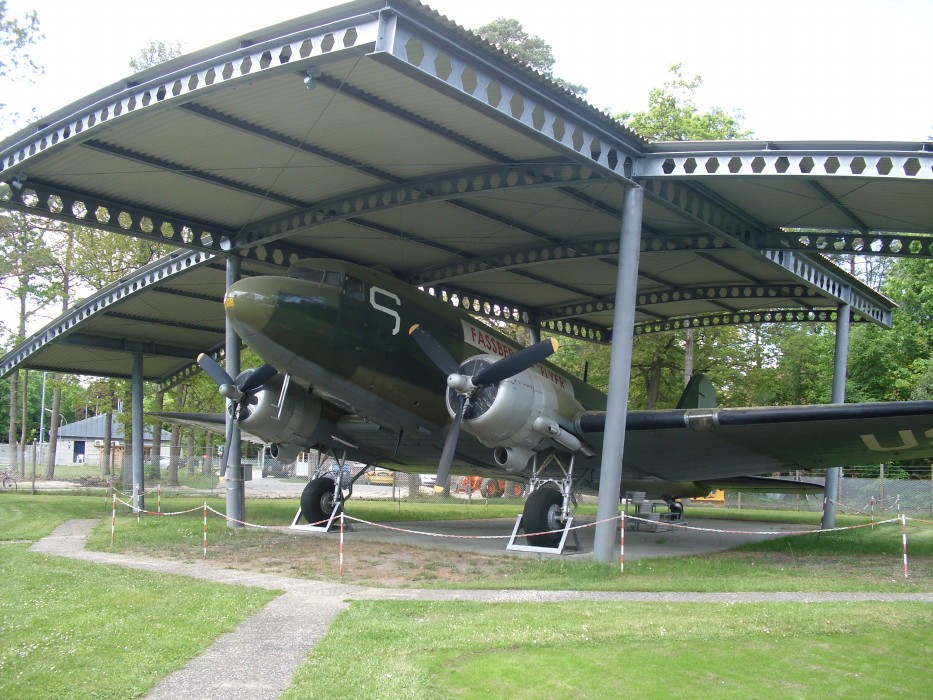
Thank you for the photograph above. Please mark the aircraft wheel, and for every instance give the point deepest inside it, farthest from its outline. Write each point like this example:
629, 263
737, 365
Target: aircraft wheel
317, 500
514, 489
542, 514
489, 488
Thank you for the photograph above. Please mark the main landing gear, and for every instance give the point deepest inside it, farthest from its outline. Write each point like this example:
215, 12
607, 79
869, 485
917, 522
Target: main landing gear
548, 513
323, 498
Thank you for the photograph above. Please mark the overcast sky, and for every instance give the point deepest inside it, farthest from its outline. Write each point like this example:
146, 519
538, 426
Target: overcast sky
798, 69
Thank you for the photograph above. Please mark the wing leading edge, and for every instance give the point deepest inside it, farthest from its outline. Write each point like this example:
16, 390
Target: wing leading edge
706, 444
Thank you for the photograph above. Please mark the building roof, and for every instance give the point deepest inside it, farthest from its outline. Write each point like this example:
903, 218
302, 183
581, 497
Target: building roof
384, 134
93, 429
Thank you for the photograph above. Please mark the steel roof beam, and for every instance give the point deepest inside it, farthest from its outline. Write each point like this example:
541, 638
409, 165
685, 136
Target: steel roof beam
163, 322
434, 189
99, 302
675, 294
751, 159
193, 173
473, 78
742, 318
168, 85
903, 245
129, 346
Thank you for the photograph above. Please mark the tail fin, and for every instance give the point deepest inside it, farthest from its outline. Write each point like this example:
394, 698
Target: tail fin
699, 393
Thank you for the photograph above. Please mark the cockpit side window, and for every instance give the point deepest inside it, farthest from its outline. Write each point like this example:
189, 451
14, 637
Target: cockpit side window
355, 289
306, 273
333, 279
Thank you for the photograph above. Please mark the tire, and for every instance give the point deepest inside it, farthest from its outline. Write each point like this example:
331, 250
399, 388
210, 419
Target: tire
489, 488
8, 483
514, 489
542, 514
317, 500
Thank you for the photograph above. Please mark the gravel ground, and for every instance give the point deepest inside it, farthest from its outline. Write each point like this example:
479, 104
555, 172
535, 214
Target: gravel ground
288, 627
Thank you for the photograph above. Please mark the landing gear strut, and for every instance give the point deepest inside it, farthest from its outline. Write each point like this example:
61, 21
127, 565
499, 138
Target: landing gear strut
323, 498
548, 512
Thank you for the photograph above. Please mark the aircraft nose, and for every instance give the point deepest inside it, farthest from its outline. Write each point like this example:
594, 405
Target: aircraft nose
249, 306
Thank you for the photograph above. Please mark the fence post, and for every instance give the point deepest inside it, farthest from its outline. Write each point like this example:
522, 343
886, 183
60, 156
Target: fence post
205, 529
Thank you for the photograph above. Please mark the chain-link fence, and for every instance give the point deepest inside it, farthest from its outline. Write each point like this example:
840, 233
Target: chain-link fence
198, 467
856, 496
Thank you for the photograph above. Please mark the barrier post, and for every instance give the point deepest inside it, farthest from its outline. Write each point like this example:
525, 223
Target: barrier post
340, 566
113, 518
159, 497
205, 528
622, 542
136, 504
904, 538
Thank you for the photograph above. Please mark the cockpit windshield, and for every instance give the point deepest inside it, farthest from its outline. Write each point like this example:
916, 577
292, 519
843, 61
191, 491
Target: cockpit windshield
311, 274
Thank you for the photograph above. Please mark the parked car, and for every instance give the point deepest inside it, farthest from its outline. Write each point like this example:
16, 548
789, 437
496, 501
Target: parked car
428, 480
381, 477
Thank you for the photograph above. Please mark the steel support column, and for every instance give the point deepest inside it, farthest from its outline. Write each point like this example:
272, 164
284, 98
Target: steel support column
236, 487
620, 370
840, 361
139, 479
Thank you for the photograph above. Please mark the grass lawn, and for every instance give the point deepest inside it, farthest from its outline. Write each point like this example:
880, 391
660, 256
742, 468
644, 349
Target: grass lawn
72, 629
600, 650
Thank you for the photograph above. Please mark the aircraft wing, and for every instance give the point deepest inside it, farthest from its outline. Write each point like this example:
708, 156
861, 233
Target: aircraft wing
716, 444
209, 422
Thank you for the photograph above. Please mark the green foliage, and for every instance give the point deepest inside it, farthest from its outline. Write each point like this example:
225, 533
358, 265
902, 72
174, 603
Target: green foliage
154, 53
509, 35
672, 114
16, 36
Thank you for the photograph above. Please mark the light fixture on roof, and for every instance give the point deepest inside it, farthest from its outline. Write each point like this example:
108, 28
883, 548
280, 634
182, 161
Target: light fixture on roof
311, 75
18, 182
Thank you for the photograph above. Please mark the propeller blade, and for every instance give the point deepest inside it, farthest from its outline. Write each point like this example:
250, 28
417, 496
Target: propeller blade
436, 352
213, 370
256, 379
517, 362
227, 441
450, 445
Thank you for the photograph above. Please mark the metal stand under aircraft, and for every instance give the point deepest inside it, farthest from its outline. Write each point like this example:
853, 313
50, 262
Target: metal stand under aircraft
548, 516
323, 497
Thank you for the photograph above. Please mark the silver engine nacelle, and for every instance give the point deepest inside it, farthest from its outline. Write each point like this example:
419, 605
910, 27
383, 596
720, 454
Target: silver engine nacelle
516, 416
292, 425
286, 454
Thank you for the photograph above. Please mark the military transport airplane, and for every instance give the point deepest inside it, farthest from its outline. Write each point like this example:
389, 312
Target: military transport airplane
370, 369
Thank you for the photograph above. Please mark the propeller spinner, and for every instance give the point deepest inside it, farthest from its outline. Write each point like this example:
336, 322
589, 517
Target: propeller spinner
241, 392
465, 385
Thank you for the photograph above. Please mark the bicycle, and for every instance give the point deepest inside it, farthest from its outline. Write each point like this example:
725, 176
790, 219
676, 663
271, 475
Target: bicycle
8, 479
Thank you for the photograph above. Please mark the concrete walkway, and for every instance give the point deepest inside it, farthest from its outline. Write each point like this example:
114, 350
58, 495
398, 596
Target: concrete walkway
285, 630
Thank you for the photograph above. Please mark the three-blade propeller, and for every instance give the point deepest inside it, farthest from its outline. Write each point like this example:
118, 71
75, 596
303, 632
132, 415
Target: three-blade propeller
465, 384
241, 394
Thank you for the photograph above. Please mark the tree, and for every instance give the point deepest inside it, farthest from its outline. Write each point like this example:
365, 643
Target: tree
673, 115
16, 37
508, 35
659, 360
154, 53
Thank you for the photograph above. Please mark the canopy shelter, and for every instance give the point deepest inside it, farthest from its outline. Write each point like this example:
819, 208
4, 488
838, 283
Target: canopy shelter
384, 134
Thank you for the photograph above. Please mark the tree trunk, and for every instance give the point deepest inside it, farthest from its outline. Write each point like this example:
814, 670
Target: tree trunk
105, 457
192, 457
156, 452
14, 403
22, 428
53, 433
173, 450
414, 486
689, 344
208, 465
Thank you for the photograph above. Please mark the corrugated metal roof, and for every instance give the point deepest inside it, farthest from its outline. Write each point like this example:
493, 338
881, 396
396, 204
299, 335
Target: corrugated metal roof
422, 149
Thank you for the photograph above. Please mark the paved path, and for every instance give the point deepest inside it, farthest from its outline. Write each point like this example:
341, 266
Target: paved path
285, 630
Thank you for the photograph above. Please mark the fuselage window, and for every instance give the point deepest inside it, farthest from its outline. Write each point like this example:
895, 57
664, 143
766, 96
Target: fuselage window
333, 279
355, 289
307, 273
